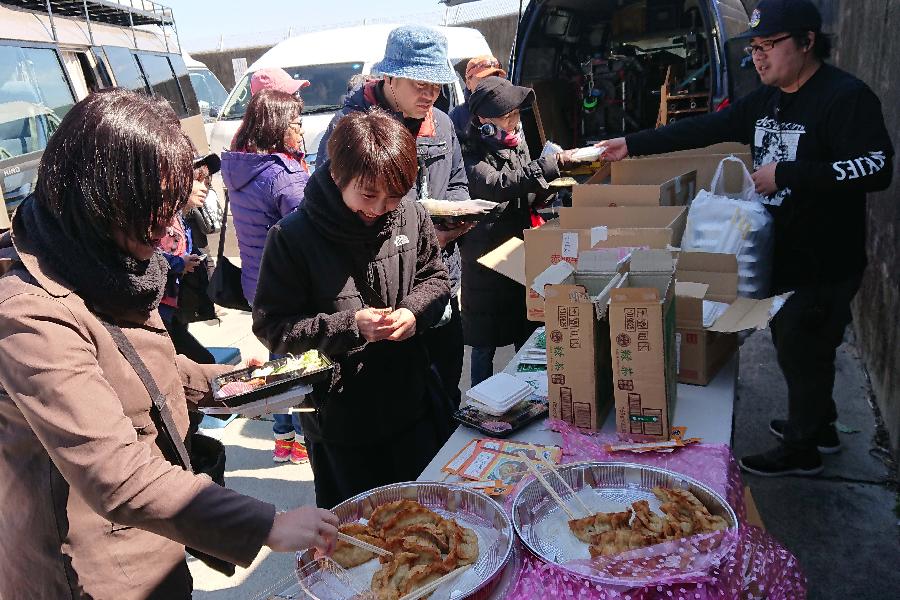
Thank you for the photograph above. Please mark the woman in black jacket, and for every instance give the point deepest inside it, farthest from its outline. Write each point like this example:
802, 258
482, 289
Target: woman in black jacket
356, 273
500, 169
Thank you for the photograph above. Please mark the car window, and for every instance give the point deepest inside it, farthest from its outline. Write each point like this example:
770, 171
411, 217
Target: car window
328, 86
184, 82
34, 97
162, 80
208, 88
125, 69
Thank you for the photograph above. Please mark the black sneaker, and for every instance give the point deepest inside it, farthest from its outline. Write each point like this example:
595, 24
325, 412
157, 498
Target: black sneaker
781, 461
827, 442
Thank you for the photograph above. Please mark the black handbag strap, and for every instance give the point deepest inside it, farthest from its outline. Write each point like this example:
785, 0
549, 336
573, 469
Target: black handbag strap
221, 251
159, 411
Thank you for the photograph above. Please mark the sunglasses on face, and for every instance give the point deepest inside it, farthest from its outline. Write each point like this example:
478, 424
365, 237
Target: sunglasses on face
764, 46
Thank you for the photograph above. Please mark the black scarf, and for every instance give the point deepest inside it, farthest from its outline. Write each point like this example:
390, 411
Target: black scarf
102, 274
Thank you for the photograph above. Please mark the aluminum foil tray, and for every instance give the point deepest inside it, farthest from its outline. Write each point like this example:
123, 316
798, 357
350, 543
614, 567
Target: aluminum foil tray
323, 579
603, 487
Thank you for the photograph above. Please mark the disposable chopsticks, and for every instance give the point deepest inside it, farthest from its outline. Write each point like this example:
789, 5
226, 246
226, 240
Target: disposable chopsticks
364, 545
548, 465
537, 474
427, 589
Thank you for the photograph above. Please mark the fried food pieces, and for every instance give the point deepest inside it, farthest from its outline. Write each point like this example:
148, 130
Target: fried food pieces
425, 547
348, 555
612, 533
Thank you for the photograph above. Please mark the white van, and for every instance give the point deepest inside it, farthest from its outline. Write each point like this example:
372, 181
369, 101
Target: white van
48, 62
328, 59
211, 94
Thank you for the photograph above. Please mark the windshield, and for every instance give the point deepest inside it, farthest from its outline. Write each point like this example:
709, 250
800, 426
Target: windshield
328, 85
208, 88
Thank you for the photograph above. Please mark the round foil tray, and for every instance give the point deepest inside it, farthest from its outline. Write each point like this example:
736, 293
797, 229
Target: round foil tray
324, 579
604, 487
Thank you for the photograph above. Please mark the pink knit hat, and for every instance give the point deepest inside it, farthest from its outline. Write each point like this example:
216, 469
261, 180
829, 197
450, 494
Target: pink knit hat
275, 79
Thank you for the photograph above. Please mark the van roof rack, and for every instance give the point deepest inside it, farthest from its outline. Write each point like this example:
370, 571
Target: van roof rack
124, 13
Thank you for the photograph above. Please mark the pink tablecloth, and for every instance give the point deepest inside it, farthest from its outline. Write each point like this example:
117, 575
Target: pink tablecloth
757, 566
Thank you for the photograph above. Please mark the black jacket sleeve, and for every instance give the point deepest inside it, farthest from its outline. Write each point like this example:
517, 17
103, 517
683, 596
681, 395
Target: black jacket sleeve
284, 318
508, 184
431, 285
857, 138
727, 125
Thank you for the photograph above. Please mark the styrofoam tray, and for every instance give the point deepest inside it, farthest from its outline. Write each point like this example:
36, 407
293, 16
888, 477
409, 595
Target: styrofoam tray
500, 391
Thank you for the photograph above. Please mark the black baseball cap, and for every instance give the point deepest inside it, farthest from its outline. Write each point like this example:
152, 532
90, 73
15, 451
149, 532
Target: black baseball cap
495, 97
211, 160
776, 16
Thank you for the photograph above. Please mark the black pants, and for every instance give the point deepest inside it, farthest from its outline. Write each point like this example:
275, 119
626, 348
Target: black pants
340, 471
807, 332
187, 344
445, 347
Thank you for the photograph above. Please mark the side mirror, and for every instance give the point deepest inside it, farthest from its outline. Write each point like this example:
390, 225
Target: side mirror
213, 111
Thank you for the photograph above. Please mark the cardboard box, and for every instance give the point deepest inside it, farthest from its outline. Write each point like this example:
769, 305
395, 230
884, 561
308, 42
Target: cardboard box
663, 166
642, 338
579, 364
720, 148
507, 259
628, 226
640, 187
703, 348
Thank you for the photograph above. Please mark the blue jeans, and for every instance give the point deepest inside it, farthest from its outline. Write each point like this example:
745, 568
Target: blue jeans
482, 363
285, 423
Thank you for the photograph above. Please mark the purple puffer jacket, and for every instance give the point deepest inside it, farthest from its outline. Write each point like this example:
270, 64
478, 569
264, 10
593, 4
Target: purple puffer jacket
262, 188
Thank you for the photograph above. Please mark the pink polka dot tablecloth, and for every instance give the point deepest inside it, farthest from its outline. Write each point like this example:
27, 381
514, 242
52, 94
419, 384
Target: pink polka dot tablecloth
755, 567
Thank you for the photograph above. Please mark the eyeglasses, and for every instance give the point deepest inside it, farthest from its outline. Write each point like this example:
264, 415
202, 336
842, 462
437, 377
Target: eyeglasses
764, 46
298, 125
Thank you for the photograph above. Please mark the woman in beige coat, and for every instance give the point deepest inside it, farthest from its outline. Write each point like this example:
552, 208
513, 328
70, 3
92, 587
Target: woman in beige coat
90, 507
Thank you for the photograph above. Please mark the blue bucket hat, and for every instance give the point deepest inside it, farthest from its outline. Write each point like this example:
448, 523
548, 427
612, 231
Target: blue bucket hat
416, 52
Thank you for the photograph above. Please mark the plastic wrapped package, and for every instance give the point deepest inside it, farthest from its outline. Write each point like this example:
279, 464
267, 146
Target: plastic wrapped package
734, 224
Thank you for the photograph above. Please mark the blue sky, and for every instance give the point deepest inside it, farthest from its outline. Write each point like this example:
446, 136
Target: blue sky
238, 20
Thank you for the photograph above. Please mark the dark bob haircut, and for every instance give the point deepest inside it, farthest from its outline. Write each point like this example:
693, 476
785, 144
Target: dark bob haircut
374, 148
268, 116
119, 160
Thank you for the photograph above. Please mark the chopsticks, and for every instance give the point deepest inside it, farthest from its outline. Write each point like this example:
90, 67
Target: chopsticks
548, 487
427, 589
548, 465
364, 545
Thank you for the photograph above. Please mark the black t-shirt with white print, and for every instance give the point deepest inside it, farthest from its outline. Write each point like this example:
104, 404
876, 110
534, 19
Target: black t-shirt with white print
832, 147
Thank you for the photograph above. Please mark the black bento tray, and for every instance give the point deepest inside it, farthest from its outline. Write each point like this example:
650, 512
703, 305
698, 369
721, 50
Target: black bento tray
276, 384
530, 409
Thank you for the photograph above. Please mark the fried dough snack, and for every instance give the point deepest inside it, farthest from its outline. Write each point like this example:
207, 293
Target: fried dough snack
611, 533
348, 555
601, 522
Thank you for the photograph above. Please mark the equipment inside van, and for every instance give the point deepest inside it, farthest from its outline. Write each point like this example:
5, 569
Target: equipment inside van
604, 68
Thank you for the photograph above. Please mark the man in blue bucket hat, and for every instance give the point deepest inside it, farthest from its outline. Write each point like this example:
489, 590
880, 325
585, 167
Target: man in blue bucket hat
414, 67
819, 145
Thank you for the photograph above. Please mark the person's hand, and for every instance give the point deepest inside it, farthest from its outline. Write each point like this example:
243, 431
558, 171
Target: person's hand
191, 262
404, 325
565, 160
448, 233
301, 528
764, 179
375, 324
615, 149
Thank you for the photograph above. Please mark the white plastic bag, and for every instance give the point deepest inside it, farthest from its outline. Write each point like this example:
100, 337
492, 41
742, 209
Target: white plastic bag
734, 224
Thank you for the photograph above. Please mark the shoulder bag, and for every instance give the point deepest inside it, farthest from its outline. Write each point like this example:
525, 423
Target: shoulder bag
225, 284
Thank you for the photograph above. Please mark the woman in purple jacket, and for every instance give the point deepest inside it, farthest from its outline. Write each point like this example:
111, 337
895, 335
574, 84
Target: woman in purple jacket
265, 179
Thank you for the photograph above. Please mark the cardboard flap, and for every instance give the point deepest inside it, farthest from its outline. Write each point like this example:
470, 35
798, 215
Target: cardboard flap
719, 271
629, 294
689, 289
746, 313
652, 261
598, 261
690, 260
507, 259
571, 293
552, 275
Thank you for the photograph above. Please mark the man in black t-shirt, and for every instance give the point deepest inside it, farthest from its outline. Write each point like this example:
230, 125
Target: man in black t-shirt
819, 144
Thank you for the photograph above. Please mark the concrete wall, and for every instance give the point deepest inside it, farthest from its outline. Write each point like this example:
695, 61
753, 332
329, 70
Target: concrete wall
867, 45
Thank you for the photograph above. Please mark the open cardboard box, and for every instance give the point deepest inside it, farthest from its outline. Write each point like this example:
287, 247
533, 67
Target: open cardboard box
642, 338
579, 365
704, 348
663, 166
640, 187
